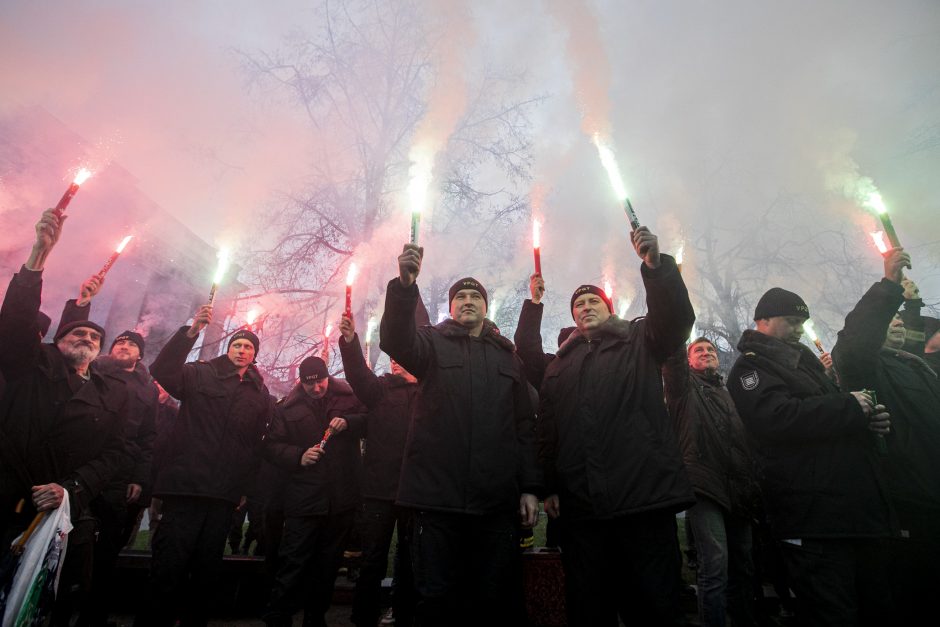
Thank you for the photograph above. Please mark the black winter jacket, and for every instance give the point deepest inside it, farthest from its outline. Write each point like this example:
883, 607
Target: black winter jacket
820, 475
142, 410
711, 436
389, 399
330, 486
48, 432
471, 445
142, 421
608, 446
215, 444
910, 390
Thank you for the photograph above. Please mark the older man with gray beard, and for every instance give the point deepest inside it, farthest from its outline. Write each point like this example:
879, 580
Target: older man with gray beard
61, 422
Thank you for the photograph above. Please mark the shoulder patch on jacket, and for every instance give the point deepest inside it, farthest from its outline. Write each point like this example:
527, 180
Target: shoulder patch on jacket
750, 380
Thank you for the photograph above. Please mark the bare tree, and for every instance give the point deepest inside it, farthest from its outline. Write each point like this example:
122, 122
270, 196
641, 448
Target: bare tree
361, 82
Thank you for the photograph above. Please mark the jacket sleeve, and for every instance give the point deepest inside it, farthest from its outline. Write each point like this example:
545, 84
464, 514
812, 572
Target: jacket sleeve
277, 448
773, 414
547, 431
856, 351
528, 341
72, 312
19, 330
169, 366
115, 459
399, 336
676, 376
146, 436
669, 315
360, 377
530, 473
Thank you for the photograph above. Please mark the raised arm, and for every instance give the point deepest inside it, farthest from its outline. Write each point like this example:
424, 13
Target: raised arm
856, 351
670, 315
168, 368
399, 336
360, 377
528, 336
19, 328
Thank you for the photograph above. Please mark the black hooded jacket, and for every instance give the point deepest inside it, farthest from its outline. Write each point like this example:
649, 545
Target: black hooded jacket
471, 445
609, 448
910, 390
820, 474
214, 447
331, 485
390, 399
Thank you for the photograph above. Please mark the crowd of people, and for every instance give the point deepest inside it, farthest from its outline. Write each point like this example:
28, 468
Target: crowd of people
626, 425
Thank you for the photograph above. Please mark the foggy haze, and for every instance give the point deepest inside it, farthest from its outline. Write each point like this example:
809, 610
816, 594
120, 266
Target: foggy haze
719, 113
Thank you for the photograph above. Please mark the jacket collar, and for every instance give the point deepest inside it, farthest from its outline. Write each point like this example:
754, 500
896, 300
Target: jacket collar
904, 355
109, 366
224, 368
490, 333
713, 379
298, 395
773, 349
614, 327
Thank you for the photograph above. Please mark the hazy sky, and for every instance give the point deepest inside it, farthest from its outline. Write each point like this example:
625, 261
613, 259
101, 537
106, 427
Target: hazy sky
713, 106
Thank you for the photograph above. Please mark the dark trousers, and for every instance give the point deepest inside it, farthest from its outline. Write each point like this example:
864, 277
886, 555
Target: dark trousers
466, 569
840, 583
310, 555
628, 566
915, 564
78, 567
187, 560
116, 520
725, 567
377, 520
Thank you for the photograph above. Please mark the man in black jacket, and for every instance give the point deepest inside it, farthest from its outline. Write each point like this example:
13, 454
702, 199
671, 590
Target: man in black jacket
469, 468
314, 439
119, 505
62, 422
821, 480
212, 452
869, 355
610, 454
718, 460
390, 399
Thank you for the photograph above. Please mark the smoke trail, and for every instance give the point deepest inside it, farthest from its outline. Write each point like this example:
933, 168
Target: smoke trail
590, 66
447, 99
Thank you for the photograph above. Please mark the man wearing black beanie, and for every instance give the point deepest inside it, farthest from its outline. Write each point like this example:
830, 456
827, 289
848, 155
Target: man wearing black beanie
62, 423
822, 483
469, 471
215, 449
613, 471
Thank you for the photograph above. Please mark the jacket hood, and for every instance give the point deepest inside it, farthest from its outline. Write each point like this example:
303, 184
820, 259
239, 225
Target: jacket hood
337, 387
773, 349
490, 333
614, 327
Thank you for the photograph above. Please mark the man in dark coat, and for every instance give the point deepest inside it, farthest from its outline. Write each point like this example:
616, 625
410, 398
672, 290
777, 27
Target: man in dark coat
469, 470
718, 460
821, 481
62, 422
213, 451
314, 437
117, 507
610, 454
869, 355
390, 399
